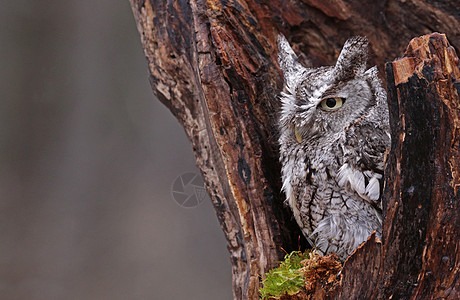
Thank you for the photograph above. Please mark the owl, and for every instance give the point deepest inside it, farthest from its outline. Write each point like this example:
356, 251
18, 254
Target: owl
334, 133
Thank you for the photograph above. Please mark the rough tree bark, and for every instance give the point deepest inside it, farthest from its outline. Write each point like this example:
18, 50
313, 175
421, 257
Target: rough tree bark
213, 64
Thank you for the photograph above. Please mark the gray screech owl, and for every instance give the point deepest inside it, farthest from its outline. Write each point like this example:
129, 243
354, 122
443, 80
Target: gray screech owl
334, 131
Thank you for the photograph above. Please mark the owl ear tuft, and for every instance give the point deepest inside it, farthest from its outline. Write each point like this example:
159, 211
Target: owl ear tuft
288, 61
353, 58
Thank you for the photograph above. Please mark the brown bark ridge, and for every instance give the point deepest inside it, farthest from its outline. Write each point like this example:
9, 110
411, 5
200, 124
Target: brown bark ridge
421, 245
213, 64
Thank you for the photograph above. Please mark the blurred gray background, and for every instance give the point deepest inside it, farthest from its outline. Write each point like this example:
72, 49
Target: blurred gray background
88, 156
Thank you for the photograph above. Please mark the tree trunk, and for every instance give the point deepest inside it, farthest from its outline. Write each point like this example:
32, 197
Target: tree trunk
419, 256
214, 65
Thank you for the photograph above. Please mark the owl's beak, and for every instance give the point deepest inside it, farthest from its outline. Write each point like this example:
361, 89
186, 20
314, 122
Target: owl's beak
298, 135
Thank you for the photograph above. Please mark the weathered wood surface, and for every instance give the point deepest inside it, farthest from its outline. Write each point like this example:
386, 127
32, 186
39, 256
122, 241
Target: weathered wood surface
213, 64
421, 238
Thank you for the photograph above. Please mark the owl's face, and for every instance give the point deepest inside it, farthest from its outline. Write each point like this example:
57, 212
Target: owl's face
322, 102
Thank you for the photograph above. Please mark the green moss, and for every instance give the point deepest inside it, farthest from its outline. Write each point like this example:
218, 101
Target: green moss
285, 279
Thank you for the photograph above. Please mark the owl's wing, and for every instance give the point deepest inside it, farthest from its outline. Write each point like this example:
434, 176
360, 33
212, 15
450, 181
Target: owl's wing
363, 161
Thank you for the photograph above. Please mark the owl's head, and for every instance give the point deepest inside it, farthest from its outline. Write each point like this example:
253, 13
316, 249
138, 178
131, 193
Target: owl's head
320, 102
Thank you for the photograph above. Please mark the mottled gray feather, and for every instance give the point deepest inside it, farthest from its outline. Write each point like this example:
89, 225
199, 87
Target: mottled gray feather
332, 161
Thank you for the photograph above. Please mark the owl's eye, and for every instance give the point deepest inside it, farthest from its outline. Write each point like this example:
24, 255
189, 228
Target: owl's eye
330, 104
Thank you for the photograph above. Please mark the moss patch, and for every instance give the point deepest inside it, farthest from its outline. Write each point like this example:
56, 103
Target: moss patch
288, 278
301, 272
